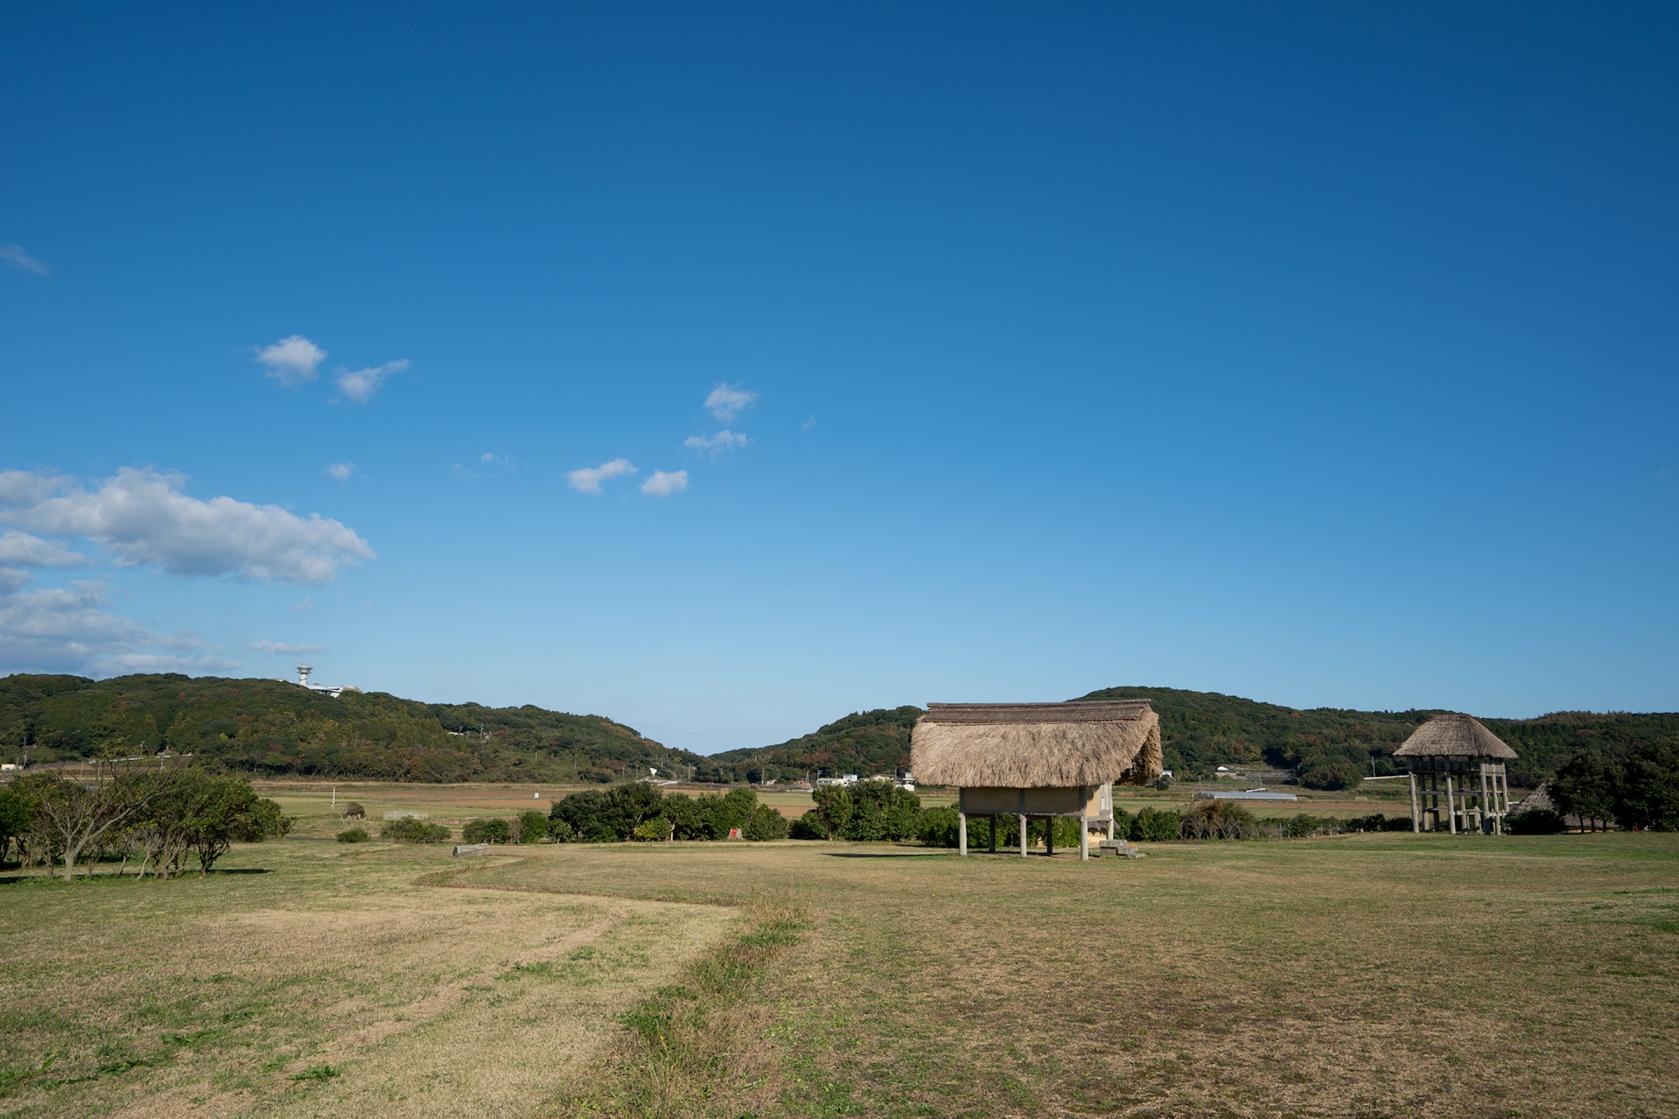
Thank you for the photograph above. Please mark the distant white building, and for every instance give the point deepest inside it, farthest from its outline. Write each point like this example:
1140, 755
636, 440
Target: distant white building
303, 671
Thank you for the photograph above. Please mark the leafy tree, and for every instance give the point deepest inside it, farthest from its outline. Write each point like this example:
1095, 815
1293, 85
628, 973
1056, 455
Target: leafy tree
1647, 792
1335, 774
70, 818
764, 823
940, 827
1585, 786
1155, 825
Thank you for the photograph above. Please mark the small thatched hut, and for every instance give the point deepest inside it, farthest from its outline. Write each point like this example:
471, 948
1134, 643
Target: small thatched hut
1454, 750
1037, 759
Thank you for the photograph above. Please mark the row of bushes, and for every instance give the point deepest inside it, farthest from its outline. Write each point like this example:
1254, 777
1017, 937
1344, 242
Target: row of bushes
157, 818
1213, 819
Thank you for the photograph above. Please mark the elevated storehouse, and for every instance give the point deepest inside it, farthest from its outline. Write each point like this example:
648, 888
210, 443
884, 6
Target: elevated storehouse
1461, 755
1037, 759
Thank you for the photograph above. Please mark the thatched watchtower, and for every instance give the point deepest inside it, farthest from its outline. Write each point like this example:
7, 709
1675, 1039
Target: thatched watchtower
1037, 759
1457, 751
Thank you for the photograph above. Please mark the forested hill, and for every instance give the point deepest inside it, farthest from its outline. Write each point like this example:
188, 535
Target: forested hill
273, 727
1202, 730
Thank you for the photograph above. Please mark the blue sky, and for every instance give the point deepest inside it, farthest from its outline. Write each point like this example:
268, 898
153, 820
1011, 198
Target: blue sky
1324, 354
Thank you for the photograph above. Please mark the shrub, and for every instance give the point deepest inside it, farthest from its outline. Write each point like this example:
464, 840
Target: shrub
1304, 825
1156, 825
561, 832
809, 826
649, 831
940, 827
1219, 819
354, 835
487, 829
765, 823
411, 829
1535, 821
530, 826
354, 811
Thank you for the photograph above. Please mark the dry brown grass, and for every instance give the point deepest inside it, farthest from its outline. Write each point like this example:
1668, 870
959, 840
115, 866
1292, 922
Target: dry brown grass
1380, 975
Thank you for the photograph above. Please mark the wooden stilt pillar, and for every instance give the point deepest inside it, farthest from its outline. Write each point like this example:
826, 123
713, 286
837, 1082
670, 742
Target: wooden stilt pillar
1486, 805
1084, 839
1110, 825
993, 819
1023, 835
961, 833
1416, 805
1049, 835
1451, 805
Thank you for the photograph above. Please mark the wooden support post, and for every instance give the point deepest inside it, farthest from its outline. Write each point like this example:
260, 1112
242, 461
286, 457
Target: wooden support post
1486, 817
1416, 805
1049, 835
1451, 805
1084, 838
993, 819
1110, 823
1023, 835
961, 833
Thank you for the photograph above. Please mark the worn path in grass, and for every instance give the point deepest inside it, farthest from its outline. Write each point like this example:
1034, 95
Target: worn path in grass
328, 984
1380, 975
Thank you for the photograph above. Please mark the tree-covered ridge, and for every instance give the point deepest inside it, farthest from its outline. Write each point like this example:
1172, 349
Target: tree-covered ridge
1330, 747
863, 743
274, 727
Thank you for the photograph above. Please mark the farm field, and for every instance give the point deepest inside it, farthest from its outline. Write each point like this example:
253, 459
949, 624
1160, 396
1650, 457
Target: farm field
1371, 975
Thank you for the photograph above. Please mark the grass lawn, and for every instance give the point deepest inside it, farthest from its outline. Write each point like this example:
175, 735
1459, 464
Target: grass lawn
1371, 975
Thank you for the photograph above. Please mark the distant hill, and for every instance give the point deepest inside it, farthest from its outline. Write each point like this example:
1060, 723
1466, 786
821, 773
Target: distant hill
868, 742
273, 727
1203, 730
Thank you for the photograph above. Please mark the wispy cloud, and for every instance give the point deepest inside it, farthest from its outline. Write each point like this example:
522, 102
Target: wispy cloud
587, 479
809, 424
68, 629
142, 516
715, 446
665, 483
31, 551
727, 401
287, 648
23, 262
292, 361
359, 385
341, 471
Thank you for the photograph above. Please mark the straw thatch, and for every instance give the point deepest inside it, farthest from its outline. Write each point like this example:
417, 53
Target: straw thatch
1037, 745
1454, 736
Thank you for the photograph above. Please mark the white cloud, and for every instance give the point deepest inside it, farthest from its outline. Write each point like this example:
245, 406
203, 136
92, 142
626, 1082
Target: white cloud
68, 629
359, 385
728, 401
293, 360
717, 445
285, 648
665, 483
142, 516
587, 479
809, 424
341, 471
23, 262
32, 551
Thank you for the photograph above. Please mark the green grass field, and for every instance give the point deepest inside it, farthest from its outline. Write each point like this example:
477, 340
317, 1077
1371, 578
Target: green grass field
1373, 975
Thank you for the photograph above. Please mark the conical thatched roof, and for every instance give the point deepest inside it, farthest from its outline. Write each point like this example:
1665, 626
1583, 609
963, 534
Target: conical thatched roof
1037, 745
1454, 736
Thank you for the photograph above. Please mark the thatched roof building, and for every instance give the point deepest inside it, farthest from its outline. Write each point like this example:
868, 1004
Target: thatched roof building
1459, 752
1037, 759
1037, 745
1454, 736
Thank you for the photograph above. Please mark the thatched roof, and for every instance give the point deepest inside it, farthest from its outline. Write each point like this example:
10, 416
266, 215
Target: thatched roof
1454, 736
1037, 745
